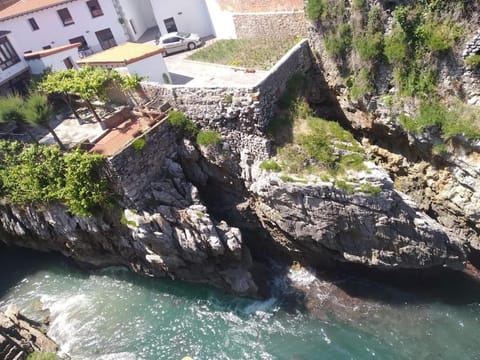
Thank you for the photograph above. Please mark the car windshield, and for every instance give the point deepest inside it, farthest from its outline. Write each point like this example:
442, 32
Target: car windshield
182, 34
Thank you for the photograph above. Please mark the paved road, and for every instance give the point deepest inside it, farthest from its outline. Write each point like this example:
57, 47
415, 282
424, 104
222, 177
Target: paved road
198, 74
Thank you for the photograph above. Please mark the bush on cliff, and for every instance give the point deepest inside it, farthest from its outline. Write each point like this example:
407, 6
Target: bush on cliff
208, 137
38, 174
42, 356
179, 120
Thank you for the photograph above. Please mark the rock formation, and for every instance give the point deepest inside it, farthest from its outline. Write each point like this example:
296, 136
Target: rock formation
20, 336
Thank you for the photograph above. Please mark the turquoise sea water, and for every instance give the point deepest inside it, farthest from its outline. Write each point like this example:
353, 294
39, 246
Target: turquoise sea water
113, 314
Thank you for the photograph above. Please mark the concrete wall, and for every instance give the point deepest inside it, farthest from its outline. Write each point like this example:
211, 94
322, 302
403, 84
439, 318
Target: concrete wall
189, 15
52, 31
222, 21
140, 13
271, 25
152, 67
54, 61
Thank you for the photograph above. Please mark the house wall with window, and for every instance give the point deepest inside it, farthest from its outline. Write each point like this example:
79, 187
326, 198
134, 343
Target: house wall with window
12, 62
61, 58
183, 15
139, 16
53, 32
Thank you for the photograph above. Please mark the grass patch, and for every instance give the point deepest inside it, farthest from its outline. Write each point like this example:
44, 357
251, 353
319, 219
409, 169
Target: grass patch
179, 120
126, 222
370, 189
270, 165
287, 178
343, 185
208, 137
458, 119
315, 9
257, 53
42, 356
473, 61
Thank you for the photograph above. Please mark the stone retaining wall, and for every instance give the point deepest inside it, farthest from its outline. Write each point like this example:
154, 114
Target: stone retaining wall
245, 109
271, 24
132, 170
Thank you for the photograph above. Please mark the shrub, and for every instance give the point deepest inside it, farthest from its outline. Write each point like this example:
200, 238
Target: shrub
473, 61
228, 98
316, 9
439, 35
369, 46
396, 46
139, 144
338, 43
361, 85
270, 165
208, 137
179, 120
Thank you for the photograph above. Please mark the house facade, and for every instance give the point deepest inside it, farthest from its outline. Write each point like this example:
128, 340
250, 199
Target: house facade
55, 59
14, 70
44, 24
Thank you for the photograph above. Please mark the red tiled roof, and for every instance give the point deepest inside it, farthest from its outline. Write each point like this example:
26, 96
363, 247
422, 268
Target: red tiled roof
55, 50
27, 6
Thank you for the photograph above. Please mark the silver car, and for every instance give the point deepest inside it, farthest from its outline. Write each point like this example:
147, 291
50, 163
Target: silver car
179, 41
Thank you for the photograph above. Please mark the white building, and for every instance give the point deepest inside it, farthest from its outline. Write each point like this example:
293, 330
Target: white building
55, 59
14, 70
132, 59
43, 24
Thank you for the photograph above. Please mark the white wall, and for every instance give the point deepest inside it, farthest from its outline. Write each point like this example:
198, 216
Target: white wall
152, 68
54, 61
15, 69
141, 13
222, 21
52, 32
189, 15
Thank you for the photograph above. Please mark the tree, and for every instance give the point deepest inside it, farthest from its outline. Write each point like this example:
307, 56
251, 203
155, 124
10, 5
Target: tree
60, 83
11, 111
39, 111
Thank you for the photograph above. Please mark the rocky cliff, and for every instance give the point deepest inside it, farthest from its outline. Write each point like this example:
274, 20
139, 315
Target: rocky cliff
20, 336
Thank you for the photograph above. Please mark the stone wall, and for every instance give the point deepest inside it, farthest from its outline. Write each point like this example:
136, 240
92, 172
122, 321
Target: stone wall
271, 24
133, 170
260, 6
471, 76
244, 109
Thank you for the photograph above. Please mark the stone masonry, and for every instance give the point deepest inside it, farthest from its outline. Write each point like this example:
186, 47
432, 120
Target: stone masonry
271, 24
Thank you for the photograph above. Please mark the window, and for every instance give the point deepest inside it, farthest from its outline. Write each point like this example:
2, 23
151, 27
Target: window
170, 25
68, 63
33, 24
95, 8
81, 40
47, 47
8, 56
106, 39
65, 17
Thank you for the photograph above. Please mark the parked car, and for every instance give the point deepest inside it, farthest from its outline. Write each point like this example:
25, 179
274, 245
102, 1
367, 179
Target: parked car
179, 41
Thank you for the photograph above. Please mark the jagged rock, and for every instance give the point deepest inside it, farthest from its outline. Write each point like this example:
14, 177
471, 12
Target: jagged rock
20, 336
386, 231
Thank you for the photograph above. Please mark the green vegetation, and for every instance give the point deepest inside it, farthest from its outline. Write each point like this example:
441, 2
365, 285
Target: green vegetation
228, 98
343, 185
315, 9
208, 137
361, 84
179, 120
257, 53
126, 222
35, 174
370, 189
287, 178
337, 43
42, 356
439, 149
89, 83
270, 165
454, 120
420, 32
139, 144
473, 61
